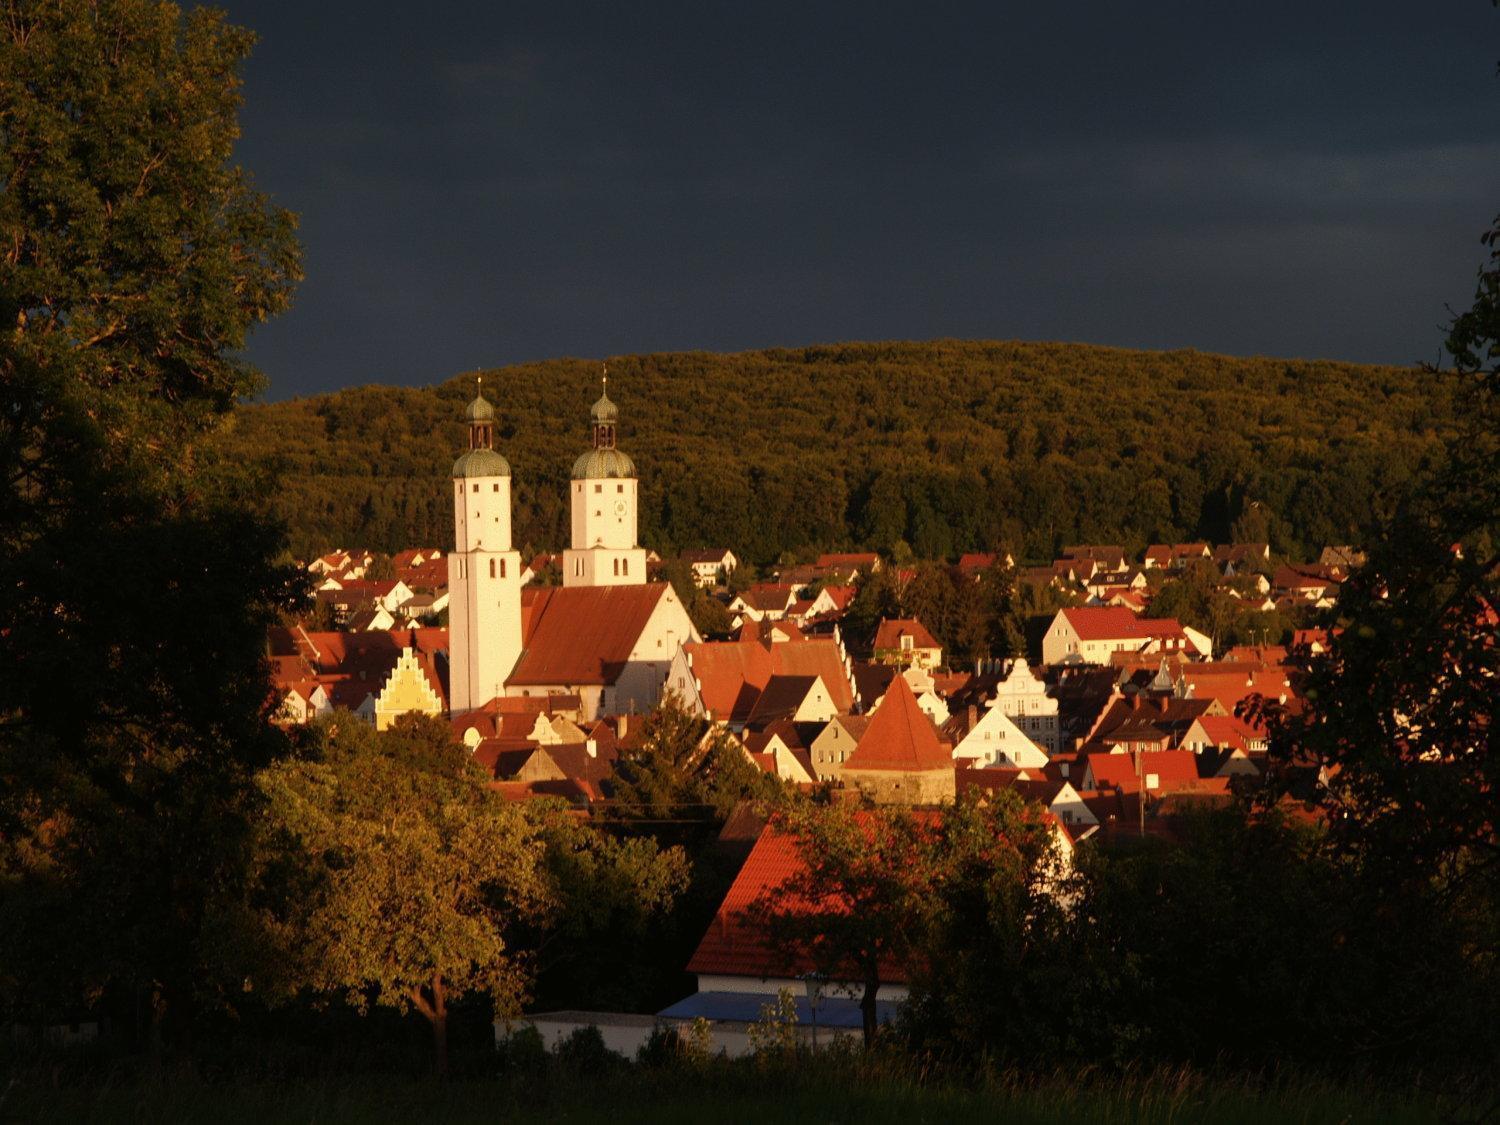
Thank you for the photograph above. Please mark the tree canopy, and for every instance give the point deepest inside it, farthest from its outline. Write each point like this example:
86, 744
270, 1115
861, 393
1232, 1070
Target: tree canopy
937, 447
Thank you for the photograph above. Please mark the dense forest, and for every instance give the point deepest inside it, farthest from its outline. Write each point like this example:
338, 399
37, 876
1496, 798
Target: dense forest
943, 447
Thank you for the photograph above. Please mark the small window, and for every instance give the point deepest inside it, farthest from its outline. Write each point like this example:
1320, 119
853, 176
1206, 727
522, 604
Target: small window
496, 486
598, 488
502, 568
492, 568
619, 488
625, 567
476, 487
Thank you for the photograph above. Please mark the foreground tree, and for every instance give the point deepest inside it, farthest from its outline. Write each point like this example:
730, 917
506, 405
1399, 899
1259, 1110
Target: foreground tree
859, 904
1401, 714
391, 874
136, 258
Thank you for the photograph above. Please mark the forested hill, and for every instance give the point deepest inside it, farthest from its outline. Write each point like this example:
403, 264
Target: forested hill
947, 446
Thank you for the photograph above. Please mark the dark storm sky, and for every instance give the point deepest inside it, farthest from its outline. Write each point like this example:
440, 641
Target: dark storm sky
486, 183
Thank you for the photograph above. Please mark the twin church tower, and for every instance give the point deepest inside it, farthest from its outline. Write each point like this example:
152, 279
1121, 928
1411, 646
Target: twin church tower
485, 634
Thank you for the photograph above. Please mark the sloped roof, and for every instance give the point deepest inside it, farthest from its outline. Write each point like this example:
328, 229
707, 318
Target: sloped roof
581, 634
889, 632
734, 945
900, 737
780, 698
765, 596
732, 674
1172, 768
1113, 622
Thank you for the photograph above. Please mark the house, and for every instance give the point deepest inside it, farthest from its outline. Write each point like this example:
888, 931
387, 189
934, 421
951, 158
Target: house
831, 603
301, 701
723, 680
1088, 634
1056, 795
1155, 771
848, 565
781, 749
905, 642
1145, 721
738, 970
792, 698
711, 566
1175, 556
764, 601
973, 565
1022, 696
900, 759
1109, 558
873, 680
1225, 745
376, 675
991, 739
833, 745
611, 646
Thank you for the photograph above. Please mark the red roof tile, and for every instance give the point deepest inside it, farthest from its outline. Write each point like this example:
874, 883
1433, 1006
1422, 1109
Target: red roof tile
581, 634
900, 736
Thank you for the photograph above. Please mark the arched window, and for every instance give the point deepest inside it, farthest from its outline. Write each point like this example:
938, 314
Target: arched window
502, 568
625, 567
492, 568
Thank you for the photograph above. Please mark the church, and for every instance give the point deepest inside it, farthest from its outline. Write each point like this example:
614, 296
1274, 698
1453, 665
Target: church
606, 634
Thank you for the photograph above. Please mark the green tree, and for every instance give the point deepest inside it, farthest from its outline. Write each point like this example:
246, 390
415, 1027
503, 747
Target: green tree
137, 259
392, 873
859, 903
1401, 709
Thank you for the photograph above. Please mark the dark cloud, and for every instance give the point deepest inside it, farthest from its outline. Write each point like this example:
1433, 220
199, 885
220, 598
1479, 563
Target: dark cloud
481, 184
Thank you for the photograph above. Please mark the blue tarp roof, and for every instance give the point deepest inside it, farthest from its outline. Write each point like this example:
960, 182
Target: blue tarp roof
745, 1007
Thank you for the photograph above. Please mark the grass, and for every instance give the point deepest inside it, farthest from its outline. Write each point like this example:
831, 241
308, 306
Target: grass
719, 1092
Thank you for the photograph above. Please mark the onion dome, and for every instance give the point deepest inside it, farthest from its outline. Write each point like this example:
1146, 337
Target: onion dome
481, 463
480, 410
604, 412
603, 464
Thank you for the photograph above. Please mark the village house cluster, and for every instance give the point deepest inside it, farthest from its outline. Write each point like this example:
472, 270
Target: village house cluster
1126, 718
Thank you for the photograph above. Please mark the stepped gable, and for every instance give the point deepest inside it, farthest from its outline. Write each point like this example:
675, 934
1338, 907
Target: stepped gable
900, 736
581, 634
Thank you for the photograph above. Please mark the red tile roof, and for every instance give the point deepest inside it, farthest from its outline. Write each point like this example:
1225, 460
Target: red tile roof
1173, 768
1112, 622
732, 674
581, 634
888, 634
734, 945
900, 736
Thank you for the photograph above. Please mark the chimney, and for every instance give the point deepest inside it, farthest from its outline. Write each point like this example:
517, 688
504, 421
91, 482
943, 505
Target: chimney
622, 726
592, 748
1164, 703
973, 716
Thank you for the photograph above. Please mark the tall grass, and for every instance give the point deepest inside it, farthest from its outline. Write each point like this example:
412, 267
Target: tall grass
835, 1087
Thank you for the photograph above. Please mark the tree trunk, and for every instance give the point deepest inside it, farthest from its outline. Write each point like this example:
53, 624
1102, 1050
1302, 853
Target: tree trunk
867, 1008
436, 1013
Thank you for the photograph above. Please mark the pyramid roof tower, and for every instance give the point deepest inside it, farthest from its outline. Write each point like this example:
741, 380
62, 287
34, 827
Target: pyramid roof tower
900, 736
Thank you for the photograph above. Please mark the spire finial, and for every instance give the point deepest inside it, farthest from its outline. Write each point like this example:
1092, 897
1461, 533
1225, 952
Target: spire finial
605, 378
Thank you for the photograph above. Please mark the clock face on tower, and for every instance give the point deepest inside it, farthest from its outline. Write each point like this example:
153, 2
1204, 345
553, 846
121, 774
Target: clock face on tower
620, 507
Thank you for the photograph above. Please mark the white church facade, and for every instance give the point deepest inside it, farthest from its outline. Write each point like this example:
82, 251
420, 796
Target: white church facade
606, 635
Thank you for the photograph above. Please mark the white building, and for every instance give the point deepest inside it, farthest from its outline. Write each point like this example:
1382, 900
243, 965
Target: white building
604, 550
484, 572
1022, 696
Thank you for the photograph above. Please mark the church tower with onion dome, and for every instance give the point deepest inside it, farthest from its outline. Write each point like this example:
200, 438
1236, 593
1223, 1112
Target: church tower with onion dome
484, 572
604, 499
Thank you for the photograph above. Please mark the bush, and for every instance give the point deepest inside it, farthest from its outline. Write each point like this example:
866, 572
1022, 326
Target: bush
584, 1053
